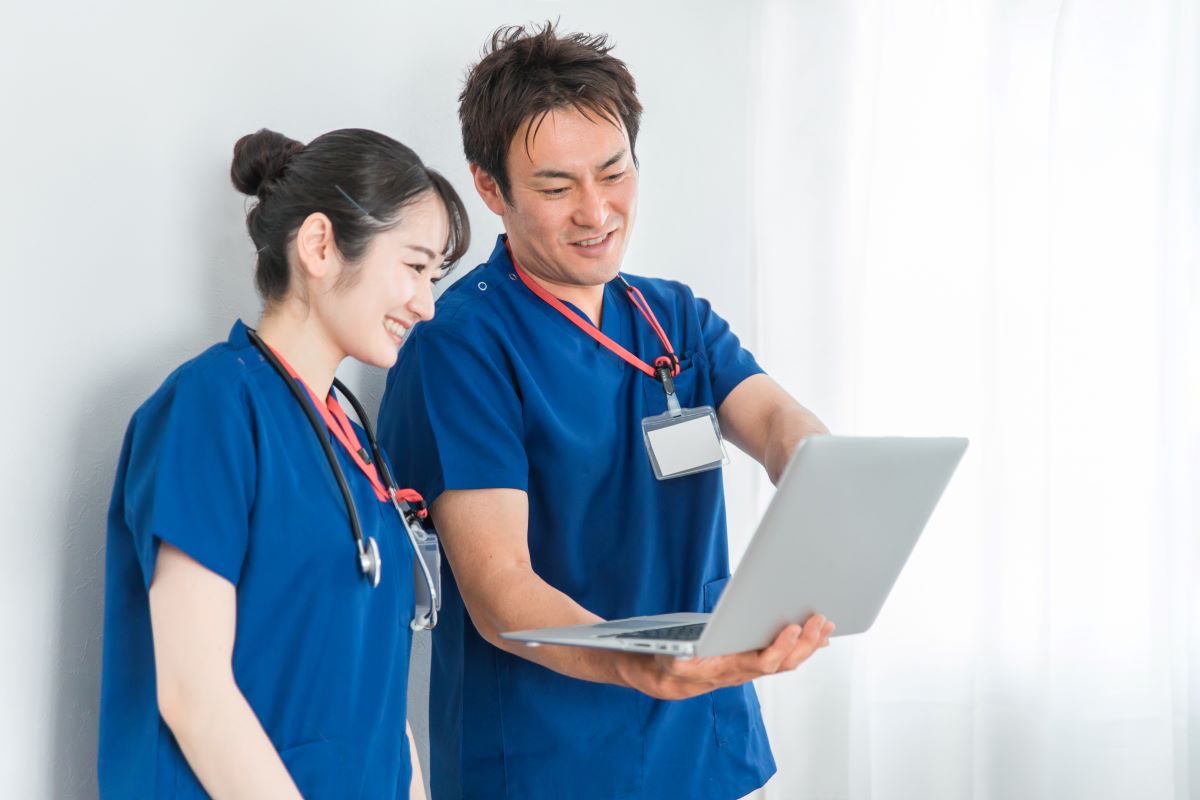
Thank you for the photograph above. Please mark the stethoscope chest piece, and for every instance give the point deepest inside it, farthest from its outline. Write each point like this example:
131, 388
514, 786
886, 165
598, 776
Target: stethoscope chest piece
420, 535
369, 561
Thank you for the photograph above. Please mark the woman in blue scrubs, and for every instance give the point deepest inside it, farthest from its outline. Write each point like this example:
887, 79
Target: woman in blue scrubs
246, 652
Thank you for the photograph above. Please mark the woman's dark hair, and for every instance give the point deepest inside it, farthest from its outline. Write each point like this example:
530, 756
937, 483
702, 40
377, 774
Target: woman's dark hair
527, 73
360, 179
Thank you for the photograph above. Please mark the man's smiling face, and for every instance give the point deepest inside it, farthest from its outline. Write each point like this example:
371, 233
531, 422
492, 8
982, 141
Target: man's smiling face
573, 197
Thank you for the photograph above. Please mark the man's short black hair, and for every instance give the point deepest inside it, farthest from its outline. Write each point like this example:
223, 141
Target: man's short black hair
527, 73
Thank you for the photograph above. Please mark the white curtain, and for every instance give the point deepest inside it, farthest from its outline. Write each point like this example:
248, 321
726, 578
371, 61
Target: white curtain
983, 218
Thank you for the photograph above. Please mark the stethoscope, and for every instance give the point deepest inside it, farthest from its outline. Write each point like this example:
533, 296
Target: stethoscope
414, 520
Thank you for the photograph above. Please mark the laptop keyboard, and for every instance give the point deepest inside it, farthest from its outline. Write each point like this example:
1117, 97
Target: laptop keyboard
677, 633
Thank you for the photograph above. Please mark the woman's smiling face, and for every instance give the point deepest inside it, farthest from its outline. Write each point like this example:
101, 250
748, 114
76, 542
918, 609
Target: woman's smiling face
391, 288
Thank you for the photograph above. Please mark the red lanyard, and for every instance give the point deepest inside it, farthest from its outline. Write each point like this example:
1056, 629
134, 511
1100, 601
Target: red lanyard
337, 422
635, 297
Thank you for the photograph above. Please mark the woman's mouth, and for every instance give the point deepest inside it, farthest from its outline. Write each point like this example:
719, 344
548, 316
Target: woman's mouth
397, 329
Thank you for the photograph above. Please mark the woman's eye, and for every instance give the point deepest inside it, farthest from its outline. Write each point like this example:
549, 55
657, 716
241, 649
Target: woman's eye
418, 268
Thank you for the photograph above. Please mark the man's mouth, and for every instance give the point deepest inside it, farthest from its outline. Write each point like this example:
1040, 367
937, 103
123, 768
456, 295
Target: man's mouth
596, 242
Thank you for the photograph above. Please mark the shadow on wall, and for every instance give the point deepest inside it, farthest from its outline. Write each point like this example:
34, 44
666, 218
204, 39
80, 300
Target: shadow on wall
99, 429
80, 611
99, 426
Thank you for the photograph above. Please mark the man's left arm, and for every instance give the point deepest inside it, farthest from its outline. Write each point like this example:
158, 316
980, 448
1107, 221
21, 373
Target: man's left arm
762, 419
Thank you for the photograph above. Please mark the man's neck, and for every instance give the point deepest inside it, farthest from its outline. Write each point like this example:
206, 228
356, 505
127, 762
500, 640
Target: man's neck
588, 299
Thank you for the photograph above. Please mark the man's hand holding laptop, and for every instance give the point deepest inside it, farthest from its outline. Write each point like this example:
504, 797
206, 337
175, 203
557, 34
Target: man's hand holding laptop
667, 677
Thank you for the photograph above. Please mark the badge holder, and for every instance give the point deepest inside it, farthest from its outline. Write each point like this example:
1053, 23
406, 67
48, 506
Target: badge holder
427, 582
682, 441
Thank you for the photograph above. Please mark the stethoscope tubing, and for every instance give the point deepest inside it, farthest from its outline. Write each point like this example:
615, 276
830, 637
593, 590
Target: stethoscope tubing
319, 429
368, 557
390, 485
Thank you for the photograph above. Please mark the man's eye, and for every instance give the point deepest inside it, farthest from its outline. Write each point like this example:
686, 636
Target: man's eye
554, 192
616, 176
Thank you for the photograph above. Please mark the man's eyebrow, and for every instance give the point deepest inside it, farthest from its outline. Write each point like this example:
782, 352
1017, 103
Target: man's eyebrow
570, 176
620, 154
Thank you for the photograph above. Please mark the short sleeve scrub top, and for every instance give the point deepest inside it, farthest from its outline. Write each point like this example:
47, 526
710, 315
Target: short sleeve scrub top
222, 463
525, 400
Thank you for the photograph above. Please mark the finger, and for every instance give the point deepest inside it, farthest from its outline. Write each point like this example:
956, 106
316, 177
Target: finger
802, 642
800, 653
808, 643
817, 630
826, 631
814, 629
768, 660
741, 667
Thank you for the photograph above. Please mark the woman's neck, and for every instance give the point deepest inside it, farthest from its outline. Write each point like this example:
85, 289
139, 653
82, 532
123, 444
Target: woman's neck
298, 336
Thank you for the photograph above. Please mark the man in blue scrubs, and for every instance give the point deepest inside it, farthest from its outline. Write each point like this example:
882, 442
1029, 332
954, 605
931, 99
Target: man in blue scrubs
518, 412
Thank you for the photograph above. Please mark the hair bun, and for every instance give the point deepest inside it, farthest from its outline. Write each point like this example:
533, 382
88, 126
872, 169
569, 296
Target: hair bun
260, 158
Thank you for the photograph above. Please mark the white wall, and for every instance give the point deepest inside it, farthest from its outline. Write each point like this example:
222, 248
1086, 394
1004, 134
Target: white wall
124, 248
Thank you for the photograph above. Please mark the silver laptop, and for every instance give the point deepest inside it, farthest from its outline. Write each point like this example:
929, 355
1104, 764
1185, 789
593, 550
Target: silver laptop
846, 515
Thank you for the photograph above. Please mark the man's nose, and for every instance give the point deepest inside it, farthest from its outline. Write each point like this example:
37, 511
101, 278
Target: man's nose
591, 211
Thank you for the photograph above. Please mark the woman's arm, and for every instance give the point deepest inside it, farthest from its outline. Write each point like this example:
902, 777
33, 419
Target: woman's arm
193, 614
416, 789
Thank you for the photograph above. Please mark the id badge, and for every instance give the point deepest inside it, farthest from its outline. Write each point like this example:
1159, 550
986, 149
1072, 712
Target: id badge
684, 442
426, 556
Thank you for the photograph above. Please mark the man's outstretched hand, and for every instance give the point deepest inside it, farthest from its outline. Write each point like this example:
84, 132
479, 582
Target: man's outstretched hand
669, 678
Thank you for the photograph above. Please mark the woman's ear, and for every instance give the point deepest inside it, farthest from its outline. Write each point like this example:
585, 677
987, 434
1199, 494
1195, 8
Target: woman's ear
315, 247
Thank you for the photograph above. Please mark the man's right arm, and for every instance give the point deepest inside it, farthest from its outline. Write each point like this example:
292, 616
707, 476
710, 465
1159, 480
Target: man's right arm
485, 535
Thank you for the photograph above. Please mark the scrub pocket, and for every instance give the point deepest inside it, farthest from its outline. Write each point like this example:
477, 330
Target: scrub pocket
690, 386
565, 737
319, 769
736, 713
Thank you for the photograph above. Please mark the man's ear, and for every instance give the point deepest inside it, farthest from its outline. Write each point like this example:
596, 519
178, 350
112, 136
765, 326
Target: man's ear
489, 190
315, 247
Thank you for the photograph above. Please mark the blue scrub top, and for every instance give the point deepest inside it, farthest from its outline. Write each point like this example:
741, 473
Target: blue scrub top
222, 463
501, 391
